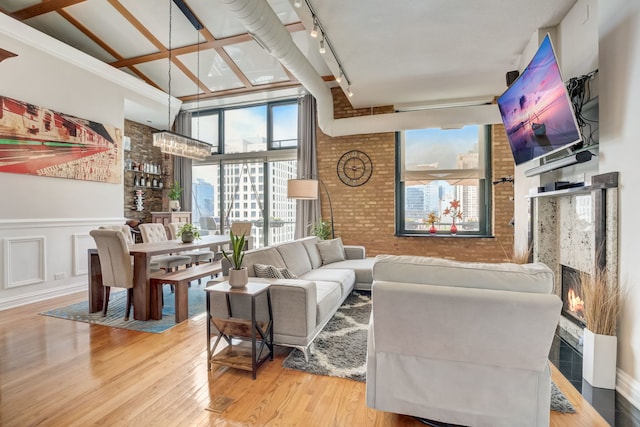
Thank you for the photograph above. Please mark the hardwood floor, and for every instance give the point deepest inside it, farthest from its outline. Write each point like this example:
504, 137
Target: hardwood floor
56, 372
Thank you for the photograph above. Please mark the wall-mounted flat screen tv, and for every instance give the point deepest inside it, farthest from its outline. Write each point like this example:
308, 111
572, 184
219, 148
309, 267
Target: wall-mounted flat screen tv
536, 110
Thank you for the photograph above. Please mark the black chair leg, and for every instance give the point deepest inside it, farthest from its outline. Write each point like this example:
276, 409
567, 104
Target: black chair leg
107, 292
129, 303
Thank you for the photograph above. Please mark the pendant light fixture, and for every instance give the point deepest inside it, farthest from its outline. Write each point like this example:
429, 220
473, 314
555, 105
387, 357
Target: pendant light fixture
171, 142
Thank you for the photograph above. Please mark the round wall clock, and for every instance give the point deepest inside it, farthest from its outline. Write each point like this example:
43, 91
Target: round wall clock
354, 168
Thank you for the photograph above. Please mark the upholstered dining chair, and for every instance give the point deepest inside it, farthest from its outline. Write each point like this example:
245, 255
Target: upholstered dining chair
155, 232
115, 265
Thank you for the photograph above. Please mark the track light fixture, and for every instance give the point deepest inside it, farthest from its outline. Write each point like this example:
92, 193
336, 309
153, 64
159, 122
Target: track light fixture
297, 3
314, 31
325, 44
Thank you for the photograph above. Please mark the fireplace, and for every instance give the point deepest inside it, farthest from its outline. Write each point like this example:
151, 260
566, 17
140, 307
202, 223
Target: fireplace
572, 298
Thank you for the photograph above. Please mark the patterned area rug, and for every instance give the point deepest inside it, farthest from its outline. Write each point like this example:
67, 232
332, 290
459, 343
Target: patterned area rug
340, 350
115, 314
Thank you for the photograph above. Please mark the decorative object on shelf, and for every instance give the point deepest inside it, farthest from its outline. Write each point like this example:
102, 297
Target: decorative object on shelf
307, 189
174, 196
238, 275
601, 310
455, 212
139, 200
188, 232
354, 168
431, 219
171, 142
126, 143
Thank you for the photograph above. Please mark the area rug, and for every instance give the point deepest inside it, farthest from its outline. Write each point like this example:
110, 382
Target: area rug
115, 314
340, 350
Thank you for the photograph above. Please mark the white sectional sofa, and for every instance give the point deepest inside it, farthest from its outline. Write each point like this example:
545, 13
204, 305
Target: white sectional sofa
461, 343
303, 305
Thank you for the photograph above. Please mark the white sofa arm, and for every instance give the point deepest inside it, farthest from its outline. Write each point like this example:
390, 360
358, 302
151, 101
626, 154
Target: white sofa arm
355, 252
294, 306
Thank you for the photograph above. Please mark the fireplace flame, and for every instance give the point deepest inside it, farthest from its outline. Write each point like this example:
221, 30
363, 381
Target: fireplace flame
575, 303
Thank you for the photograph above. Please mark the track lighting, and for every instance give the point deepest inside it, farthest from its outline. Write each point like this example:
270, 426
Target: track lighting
314, 31
349, 91
322, 49
297, 3
339, 78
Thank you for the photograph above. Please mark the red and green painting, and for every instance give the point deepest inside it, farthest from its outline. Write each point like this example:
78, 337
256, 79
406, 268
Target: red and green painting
38, 141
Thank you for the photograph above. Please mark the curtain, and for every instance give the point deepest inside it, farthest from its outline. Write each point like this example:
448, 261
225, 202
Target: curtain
307, 211
181, 165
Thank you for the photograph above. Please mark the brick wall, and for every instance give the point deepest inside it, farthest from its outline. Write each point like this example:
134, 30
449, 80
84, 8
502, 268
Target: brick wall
142, 150
365, 215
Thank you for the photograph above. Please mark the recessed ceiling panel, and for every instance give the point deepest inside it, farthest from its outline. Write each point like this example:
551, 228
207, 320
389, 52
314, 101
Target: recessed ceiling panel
154, 15
16, 5
111, 27
158, 71
215, 73
255, 63
59, 28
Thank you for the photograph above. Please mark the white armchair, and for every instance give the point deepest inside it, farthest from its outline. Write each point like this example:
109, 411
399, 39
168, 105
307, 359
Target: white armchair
462, 343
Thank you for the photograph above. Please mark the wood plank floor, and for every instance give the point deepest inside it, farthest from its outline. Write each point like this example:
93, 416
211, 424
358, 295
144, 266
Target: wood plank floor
56, 372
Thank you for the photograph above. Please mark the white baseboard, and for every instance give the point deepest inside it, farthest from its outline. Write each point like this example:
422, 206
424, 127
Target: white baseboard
45, 294
628, 387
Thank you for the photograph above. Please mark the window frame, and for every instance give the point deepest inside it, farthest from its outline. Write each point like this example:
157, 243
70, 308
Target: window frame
485, 192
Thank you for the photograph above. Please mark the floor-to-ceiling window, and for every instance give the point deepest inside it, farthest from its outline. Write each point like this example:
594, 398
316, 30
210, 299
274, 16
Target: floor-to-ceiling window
247, 181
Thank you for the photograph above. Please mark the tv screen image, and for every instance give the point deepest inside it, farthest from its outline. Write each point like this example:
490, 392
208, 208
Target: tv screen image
536, 110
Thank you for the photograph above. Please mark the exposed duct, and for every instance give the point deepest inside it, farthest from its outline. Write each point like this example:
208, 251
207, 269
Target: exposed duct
261, 21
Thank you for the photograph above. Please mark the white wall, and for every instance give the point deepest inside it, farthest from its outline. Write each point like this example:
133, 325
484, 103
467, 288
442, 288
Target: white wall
44, 222
619, 42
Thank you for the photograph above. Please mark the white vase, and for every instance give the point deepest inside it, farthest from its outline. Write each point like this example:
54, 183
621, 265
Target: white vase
599, 354
238, 278
174, 205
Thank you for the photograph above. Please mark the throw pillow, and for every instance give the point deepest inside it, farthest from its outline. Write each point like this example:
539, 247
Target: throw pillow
331, 250
287, 274
264, 271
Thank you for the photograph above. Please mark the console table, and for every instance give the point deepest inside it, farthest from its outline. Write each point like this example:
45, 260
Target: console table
254, 338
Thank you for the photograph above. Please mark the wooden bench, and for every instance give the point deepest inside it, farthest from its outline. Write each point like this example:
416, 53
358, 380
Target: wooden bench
180, 279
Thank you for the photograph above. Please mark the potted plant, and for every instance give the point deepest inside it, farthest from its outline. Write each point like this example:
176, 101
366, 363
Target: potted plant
456, 213
321, 229
238, 275
601, 310
431, 219
174, 196
188, 232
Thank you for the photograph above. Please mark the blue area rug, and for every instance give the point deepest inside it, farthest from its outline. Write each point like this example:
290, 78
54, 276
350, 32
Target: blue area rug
115, 315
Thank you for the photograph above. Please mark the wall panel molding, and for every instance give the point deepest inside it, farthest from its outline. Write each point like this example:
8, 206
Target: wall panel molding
24, 261
82, 242
32, 223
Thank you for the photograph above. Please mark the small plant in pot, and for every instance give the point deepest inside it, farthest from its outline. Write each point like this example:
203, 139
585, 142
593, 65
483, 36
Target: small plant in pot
238, 275
174, 196
188, 232
321, 229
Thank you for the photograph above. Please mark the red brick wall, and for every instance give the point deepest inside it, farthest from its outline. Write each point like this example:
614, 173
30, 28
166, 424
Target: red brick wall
365, 215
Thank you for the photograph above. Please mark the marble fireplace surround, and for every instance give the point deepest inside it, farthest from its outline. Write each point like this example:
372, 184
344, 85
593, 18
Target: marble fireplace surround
568, 226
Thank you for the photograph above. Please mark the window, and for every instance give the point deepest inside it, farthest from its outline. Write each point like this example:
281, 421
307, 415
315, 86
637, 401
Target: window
251, 166
437, 167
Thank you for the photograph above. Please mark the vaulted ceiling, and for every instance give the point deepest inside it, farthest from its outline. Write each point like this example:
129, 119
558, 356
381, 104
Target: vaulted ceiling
416, 51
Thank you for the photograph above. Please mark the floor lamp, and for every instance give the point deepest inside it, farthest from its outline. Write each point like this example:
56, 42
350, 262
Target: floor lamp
307, 189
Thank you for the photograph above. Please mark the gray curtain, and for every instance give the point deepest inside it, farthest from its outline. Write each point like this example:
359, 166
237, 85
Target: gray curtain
181, 165
307, 211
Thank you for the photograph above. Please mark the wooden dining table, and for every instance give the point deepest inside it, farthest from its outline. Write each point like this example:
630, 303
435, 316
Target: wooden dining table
146, 304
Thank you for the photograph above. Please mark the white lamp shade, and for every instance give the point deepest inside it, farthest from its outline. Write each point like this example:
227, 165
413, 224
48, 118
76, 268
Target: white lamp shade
302, 189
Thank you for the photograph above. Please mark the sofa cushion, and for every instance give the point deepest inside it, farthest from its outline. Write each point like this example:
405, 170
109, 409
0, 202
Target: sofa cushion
535, 278
362, 267
268, 256
267, 271
346, 278
295, 257
327, 296
331, 250
312, 250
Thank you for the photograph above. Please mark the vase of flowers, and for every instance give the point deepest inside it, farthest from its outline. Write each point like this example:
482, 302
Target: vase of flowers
432, 218
456, 213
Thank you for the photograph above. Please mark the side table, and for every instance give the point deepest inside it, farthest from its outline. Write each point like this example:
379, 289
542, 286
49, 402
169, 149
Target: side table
245, 330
